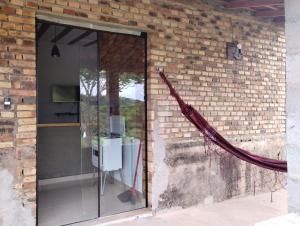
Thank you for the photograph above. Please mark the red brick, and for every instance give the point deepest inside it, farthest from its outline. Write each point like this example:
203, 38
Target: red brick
31, 4
8, 10
17, 92
69, 12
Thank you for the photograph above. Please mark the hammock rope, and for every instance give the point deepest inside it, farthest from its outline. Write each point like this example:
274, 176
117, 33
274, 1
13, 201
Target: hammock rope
210, 133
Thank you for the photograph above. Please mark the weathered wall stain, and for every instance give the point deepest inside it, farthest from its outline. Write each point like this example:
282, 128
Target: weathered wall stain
12, 210
184, 145
161, 171
185, 158
196, 176
248, 177
171, 197
230, 171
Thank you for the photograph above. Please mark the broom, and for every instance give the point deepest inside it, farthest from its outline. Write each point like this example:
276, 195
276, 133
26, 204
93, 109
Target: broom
132, 194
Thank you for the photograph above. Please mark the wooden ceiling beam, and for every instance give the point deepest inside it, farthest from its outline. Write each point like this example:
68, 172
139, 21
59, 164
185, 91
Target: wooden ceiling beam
83, 35
62, 34
90, 43
44, 27
270, 13
238, 4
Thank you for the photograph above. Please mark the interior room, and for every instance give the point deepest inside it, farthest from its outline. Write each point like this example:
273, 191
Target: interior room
91, 149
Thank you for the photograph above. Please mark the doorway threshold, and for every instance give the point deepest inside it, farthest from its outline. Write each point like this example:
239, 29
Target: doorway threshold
118, 218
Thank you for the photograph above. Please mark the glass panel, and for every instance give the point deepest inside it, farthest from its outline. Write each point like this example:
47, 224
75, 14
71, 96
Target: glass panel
67, 178
122, 123
91, 138
89, 126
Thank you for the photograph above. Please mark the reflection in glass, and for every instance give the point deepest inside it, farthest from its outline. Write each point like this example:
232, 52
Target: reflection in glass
67, 111
88, 80
122, 122
91, 105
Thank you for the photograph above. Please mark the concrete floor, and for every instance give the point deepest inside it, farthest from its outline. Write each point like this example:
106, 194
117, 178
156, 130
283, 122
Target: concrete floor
291, 219
236, 212
71, 202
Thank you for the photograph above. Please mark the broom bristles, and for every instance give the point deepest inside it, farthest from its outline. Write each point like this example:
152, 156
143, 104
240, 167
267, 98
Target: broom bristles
129, 195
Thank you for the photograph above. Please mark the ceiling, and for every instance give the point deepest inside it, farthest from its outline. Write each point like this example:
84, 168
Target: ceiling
273, 9
61, 34
118, 52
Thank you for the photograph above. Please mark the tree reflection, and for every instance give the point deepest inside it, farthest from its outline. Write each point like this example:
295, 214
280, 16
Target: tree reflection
131, 108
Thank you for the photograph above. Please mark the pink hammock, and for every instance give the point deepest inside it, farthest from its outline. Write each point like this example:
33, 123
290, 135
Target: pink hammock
209, 132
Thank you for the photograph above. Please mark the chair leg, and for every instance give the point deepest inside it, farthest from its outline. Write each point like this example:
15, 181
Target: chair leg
93, 180
103, 181
112, 177
103, 184
122, 178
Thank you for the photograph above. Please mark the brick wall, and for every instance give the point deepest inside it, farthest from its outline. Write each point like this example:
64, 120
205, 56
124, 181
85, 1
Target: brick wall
242, 99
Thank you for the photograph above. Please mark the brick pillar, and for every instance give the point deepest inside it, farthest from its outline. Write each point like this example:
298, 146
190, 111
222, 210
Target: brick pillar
292, 13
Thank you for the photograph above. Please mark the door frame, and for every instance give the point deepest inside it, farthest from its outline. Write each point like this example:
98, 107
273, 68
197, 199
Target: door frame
86, 25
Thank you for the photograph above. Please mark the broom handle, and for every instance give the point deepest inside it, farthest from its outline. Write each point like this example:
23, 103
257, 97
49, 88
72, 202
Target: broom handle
137, 165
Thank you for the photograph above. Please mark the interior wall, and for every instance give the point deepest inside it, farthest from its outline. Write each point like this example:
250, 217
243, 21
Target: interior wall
63, 70
59, 148
59, 153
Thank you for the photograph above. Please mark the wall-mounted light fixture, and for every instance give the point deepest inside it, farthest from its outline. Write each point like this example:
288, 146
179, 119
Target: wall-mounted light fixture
234, 51
7, 102
234, 48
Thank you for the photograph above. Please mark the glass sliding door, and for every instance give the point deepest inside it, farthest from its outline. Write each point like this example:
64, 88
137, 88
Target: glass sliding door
67, 76
88, 80
122, 123
91, 135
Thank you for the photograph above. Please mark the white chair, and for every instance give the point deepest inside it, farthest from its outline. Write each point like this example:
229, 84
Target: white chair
110, 158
